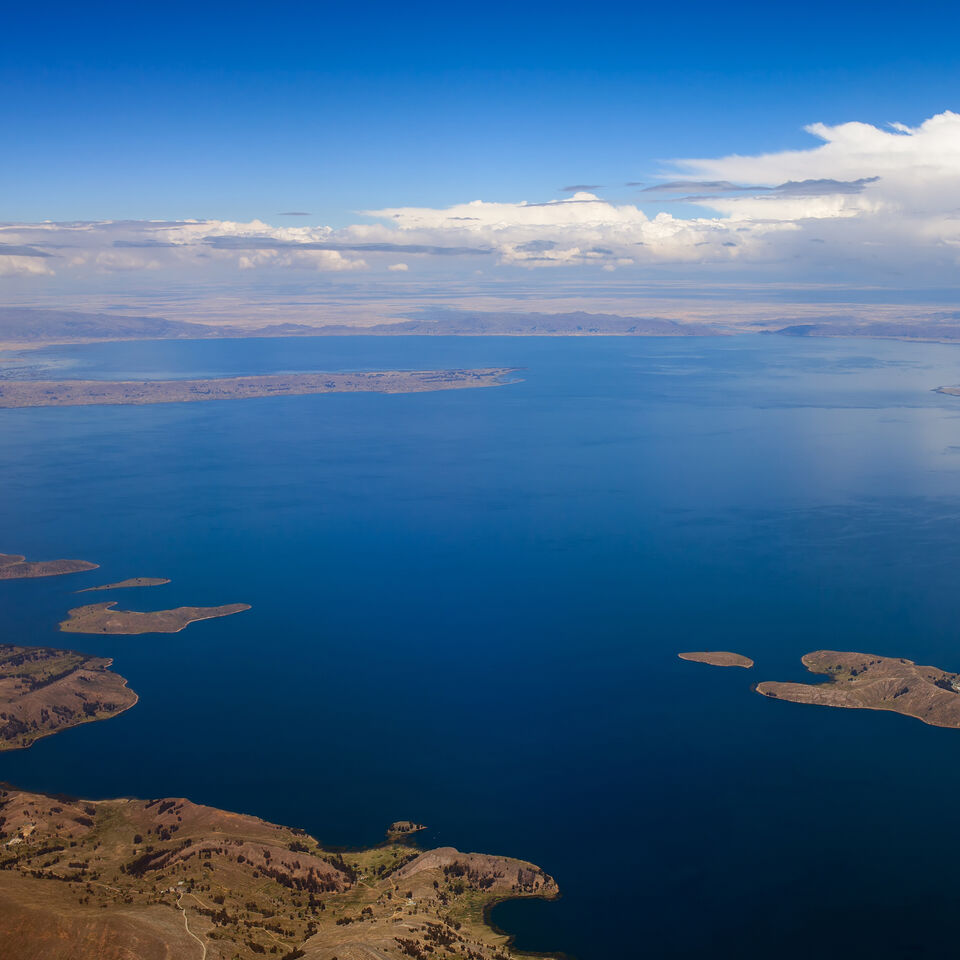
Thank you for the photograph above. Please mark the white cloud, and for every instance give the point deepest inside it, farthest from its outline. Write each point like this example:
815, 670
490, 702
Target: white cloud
24, 267
114, 260
873, 198
581, 229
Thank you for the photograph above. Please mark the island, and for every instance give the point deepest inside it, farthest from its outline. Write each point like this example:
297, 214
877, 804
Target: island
15, 567
863, 681
43, 691
102, 618
127, 584
718, 658
73, 393
404, 828
169, 878
949, 391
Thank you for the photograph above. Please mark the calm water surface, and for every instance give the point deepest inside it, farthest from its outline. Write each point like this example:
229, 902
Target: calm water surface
467, 608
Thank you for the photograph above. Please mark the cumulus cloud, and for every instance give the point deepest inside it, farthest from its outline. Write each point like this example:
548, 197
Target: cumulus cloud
861, 171
874, 198
581, 229
29, 266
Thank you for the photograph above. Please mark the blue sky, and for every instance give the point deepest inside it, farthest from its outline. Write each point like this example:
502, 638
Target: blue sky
241, 110
819, 142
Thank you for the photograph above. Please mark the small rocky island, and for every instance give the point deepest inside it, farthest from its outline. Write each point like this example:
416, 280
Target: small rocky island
170, 878
73, 393
15, 567
128, 584
718, 658
43, 691
404, 828
102, 618
867, 682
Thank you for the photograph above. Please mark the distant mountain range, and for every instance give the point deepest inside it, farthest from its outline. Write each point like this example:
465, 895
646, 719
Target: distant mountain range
32, 326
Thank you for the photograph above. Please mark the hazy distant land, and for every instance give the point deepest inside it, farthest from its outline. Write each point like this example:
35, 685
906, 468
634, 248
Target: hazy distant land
102, 618
43, 691
718, 658
32, 326
71, 393
598, 313
867, 682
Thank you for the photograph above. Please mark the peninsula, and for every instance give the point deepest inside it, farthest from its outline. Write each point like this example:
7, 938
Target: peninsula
127, 584
102, 618
718, 658
171, 878
43, 691
73, 393
15, 567
867, 682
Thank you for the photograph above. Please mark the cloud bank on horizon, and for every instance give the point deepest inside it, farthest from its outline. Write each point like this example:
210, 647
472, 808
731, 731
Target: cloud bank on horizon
874, 199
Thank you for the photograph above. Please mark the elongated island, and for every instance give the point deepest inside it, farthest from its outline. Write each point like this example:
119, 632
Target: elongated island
74, 393
103, 618
128, 584
13, 566
717, 658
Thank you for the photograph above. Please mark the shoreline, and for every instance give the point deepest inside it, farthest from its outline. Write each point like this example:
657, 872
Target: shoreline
511, 937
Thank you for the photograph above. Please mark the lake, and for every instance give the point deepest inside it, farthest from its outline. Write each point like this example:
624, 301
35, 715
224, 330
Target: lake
467, 605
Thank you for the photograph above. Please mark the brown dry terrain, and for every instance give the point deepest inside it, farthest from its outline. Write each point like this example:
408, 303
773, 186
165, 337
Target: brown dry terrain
867, 682
102, 618
71, 393
717, 658
43, 691
15, 567
124, 879
125, 584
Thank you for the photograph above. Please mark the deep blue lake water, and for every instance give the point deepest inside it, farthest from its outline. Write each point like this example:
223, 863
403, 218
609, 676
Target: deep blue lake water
467, 608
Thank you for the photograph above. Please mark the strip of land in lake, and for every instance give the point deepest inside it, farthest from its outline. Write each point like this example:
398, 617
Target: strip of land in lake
15, 567
102, 618
74, 393
127, 584
717, 658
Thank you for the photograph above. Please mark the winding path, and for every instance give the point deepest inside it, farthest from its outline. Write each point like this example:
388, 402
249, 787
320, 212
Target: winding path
186, 926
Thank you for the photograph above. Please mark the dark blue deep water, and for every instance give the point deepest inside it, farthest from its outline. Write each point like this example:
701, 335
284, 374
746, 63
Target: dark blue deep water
467, 608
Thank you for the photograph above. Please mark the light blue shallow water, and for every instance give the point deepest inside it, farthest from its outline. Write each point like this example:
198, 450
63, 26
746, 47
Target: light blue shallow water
467, 608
